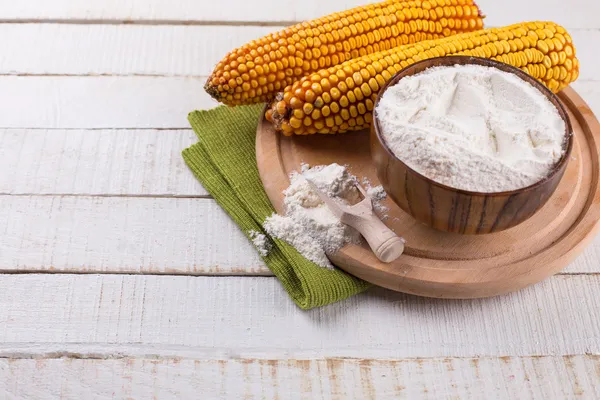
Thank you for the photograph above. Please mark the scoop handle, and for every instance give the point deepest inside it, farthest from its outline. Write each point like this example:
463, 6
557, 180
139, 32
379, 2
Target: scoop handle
386, 245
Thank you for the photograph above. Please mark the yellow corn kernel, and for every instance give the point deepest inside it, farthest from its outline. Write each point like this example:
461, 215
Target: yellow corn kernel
542, 46
295, 122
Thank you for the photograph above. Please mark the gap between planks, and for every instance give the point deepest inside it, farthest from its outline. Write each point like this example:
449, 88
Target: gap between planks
19, 351
133, 75
580, 13
133, 130
224, 274
148, 22
102, 75
157, 195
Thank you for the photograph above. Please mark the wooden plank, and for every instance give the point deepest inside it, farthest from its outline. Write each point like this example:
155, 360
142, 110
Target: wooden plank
138, 235
590, 91
157, 50
240, 317
123, 102
580, 13
119, 49
97, 162
587, 262
489, 378
586, 48
100, 102
122, 235
511, 11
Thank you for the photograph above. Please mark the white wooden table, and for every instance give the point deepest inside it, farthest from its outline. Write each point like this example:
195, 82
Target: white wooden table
121, 278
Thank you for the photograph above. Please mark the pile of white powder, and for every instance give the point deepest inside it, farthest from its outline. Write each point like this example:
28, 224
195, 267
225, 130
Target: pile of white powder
472, 127
261, 242
309, 225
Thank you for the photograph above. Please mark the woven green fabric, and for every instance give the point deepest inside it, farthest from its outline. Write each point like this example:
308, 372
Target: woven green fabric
224, 160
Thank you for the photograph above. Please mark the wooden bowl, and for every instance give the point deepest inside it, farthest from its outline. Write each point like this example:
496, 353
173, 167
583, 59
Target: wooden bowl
454, 210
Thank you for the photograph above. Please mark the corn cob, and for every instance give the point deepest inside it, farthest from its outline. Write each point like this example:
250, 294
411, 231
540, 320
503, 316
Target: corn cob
254, 72
341, 98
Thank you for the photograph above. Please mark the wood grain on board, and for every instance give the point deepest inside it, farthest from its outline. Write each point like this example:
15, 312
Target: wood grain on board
577, 14
252, 317
490, 378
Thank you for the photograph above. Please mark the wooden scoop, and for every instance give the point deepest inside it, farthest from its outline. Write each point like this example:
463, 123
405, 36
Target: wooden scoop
386, 245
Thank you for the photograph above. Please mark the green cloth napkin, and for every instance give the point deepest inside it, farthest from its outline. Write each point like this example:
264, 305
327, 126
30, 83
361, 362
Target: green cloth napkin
224, 160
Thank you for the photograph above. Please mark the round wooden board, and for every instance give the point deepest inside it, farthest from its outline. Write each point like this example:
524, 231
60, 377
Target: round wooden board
445, 265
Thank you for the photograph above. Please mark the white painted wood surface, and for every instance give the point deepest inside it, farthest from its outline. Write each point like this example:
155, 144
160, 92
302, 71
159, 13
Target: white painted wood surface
79, 195
100, 102
119, 49
515, 377
122, 235
108, 162
251, 317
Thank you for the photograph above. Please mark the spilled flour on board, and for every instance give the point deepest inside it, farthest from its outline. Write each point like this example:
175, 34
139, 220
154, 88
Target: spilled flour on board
309, 225
261, 242
378, 194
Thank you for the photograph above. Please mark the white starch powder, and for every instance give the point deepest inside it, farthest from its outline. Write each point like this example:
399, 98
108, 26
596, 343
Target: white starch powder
309, 225
472, 128
261, 242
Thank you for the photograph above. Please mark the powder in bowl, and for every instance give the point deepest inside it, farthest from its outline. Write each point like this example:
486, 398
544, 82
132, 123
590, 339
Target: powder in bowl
472, 127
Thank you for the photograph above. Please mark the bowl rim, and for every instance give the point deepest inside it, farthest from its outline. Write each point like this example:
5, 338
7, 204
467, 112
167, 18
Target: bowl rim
469, 60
